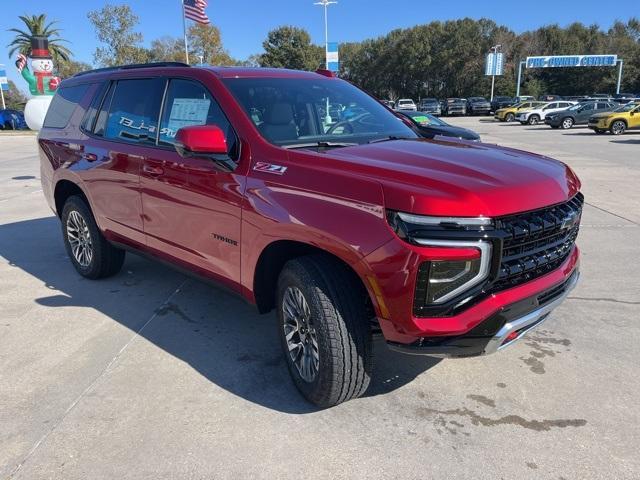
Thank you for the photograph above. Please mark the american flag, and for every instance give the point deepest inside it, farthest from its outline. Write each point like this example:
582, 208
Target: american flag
194, 10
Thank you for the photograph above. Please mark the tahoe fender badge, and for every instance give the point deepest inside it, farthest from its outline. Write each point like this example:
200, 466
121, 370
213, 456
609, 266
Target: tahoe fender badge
269, 168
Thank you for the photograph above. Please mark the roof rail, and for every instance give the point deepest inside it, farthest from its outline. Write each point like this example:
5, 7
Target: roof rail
133, 66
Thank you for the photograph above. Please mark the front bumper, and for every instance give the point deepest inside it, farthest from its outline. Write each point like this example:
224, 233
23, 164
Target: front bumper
500, 330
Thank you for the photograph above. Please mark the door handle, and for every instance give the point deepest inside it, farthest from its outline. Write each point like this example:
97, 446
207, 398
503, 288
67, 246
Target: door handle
151, 170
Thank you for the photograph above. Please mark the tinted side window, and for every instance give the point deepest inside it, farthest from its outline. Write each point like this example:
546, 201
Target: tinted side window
190, 103
63, 105
588, 107
92, 111
134, 111
101, 121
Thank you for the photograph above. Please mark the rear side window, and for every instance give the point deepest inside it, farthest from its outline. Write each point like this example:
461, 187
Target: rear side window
135, 107
63, 105
92, 112
101, 121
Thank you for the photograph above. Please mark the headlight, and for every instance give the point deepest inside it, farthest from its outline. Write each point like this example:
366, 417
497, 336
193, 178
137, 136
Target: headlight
442, 280
464, 263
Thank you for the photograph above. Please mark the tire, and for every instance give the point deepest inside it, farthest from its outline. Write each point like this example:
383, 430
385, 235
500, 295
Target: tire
533, 120
618, 127
566, 123
509, 117
336, 329
94, 257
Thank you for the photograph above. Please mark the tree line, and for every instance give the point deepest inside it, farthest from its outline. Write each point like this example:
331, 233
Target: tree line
446, 59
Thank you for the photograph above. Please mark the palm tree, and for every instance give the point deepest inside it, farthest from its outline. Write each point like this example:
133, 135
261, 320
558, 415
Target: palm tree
36, 25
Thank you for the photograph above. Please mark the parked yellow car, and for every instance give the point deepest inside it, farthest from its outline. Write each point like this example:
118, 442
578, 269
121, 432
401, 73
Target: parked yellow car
509, 114
617, 122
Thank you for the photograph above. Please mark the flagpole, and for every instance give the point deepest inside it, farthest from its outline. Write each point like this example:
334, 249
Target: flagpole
184, 27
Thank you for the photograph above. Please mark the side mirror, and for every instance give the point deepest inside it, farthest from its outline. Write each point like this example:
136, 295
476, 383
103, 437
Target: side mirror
200, 140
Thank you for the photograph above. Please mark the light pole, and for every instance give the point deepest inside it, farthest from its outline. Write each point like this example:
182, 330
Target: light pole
325, 4
495, 49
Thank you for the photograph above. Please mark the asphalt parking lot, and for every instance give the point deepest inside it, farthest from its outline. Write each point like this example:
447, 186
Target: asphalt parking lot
150, 374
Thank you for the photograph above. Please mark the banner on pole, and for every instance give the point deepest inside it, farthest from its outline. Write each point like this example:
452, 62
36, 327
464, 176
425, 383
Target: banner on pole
4, 84
494, 64
557, 61
333, 62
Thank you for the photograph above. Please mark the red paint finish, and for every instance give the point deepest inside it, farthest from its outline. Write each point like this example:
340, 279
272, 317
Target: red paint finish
202, 138
192, 213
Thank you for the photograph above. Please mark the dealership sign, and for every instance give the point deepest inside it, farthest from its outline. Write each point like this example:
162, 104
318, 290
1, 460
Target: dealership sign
4, 84
494, 64
555, 61
333, 61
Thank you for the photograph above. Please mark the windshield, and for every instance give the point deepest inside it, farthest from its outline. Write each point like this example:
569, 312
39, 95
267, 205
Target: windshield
628, 107
296, 111
477, 99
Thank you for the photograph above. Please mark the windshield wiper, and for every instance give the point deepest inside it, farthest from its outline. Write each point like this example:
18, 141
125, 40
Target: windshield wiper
389, 138
319, 145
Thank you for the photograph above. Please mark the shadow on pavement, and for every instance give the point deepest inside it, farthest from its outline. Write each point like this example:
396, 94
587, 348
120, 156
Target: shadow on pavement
630, 141
217, 334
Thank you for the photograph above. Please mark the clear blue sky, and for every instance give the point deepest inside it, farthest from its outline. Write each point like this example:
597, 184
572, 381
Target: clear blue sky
245, 23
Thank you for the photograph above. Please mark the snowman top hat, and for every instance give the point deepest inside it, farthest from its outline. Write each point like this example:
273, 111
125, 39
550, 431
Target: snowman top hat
40, 47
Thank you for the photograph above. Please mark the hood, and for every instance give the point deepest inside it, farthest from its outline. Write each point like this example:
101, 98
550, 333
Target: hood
458, 177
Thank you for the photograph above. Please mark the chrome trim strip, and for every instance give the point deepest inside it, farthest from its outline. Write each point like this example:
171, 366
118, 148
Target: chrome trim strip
531, 320
485, 262
462, 221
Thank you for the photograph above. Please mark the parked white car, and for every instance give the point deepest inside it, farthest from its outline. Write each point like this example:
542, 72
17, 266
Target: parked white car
535, 115
406, 104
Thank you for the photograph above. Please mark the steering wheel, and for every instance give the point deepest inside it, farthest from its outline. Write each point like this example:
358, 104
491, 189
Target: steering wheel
344, 123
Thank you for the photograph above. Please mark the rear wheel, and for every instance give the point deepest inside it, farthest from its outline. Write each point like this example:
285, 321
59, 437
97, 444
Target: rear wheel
618, 127
324, 329
90, 253
509, 117
533, 120
567, 123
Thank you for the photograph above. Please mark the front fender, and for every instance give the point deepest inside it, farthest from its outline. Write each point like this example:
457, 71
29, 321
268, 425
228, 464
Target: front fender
341, 216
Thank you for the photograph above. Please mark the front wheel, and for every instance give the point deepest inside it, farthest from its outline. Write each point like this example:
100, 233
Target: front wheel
618, 127
324, 329
533, 120
91, 254
509, 117
567, 123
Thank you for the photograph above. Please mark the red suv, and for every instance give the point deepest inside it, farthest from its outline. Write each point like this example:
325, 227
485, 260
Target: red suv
303, 194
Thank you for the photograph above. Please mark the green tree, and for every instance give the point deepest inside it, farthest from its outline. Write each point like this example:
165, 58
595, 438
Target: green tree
14, 98
115, 29
37, 25
291, 47
68, 68
205, 41
167, 49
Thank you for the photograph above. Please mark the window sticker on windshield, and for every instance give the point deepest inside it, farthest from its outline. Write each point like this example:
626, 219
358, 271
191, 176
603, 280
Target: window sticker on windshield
185, 112
422, 120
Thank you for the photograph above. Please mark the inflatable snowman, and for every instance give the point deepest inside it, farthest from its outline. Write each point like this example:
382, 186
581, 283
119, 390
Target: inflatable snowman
42, 82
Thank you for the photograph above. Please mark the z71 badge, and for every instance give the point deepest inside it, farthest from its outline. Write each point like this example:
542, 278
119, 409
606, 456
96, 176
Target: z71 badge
269, 168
